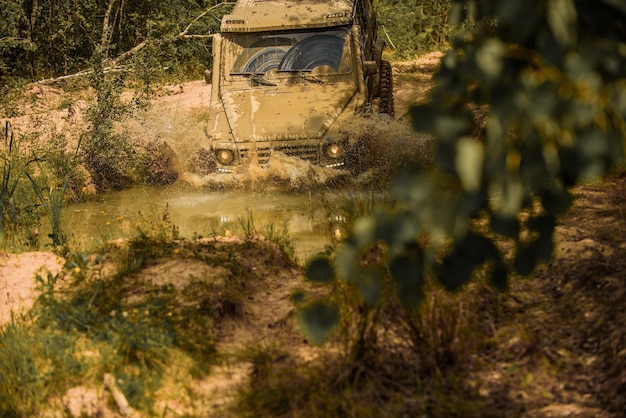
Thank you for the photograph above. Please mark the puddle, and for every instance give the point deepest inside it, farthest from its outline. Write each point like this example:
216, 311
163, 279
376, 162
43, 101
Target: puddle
200, 212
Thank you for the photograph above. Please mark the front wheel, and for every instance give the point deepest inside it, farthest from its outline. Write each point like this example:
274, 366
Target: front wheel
386, 89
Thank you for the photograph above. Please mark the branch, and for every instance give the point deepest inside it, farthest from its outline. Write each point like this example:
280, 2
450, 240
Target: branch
209, 10
80, 74
198, 36
182, 35
104, 42
13, 39
113, 64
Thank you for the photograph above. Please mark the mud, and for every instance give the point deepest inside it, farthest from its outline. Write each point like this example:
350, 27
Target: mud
384, 146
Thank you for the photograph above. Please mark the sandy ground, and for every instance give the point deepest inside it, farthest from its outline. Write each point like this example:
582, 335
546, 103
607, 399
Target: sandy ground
17, 280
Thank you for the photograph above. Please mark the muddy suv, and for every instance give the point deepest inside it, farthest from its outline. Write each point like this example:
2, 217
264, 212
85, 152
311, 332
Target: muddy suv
288, 74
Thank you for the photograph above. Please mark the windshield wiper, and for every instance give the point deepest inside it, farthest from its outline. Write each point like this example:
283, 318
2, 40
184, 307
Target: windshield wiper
304, 74
311, 79
257, 78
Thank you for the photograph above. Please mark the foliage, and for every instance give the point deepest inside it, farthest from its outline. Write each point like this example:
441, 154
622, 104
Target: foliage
37, 180
278, 235
15, 163
110, 157
10, 178
11, 16
548, 84
48, 38
62, 162
50, 195
387, 383
32, 366
414, 26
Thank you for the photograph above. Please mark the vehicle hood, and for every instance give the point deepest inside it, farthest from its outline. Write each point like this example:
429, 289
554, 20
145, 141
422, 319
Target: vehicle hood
297, 112
258, 16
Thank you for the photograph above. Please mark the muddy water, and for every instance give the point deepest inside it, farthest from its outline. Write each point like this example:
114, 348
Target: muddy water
197, 212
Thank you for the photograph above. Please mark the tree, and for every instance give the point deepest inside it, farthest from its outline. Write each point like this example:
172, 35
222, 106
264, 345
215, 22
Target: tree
547, 79
52, 38
11, 39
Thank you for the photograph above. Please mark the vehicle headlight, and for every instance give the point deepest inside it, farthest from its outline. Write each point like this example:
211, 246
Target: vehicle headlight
224, 156
334, 151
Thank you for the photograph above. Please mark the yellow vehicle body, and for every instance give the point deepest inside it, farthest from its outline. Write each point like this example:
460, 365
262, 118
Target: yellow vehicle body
287, 74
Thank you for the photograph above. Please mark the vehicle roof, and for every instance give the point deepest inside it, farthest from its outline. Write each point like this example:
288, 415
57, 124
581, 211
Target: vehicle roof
271, 15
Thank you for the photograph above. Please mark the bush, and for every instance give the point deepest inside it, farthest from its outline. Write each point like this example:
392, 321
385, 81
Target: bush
414, 26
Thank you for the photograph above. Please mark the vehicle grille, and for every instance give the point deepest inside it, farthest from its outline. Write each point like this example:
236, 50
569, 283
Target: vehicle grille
305, 152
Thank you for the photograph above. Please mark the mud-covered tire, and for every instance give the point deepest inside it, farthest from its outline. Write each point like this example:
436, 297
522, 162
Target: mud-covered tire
386, 89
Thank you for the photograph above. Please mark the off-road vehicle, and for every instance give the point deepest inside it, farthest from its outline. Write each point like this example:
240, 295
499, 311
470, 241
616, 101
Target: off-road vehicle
288, 74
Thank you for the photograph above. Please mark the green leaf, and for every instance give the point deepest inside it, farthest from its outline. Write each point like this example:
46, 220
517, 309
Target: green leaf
512, 369
490, 59
412, 187
470, 156
405, 229
562, 20
408, 274
298, 297
457, 268
422, 117
524, 261
512, 197
320, 270
450, 127
545, 248
542, 247
556, 201
528, 379
543, 224
618, 4
455, 18
346, 262
529, 255
371, 287
509, 11
363, 231
508, 227
318, 321
455, 271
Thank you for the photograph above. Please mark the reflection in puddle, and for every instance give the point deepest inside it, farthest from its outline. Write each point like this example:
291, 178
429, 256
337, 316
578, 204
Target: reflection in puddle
198, 213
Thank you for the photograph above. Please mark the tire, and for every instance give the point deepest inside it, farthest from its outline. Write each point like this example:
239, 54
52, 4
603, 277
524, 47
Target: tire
386, 89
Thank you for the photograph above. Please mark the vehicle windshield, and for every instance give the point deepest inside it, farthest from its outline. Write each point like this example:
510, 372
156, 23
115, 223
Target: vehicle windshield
293, 52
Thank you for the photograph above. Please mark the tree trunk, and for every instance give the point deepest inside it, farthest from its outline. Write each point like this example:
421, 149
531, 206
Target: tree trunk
106, 30
32, 21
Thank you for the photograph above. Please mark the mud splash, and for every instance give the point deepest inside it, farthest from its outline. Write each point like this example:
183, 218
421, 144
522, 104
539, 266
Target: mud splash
281, 173
385, 146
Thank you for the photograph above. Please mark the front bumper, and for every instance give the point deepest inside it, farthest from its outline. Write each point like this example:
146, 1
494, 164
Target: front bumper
315, 151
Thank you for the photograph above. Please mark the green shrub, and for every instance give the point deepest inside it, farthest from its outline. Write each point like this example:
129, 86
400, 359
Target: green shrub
110, 157
412, 27
34, 363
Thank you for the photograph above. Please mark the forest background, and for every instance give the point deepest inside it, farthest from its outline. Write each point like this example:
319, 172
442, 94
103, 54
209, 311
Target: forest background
169, 39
